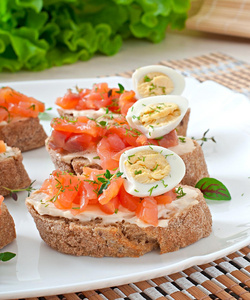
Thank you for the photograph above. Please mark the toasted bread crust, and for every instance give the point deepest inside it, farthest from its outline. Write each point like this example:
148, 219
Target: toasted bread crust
13, 173
196, 167
7, 227
25, 134
123, 239
182, 127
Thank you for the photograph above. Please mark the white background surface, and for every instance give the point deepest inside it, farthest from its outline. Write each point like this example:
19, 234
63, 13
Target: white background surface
39, 271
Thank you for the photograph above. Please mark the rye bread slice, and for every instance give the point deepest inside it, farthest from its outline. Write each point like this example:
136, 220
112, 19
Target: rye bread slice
122, 239
196, 167
24, 133
7, 227
13, 173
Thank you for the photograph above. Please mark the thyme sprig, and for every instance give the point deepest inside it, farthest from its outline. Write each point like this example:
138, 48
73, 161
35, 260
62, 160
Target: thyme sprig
106, 180
204, 138
13, 193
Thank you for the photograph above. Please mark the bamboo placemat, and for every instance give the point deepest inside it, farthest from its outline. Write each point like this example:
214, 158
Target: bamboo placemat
225, 278
230, 17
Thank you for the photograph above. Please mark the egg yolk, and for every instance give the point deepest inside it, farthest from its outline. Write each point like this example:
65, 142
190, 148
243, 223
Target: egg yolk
159, 114
154, 84
147, 166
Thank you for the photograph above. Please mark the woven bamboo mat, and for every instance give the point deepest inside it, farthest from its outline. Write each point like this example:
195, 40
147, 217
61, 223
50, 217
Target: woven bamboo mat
225, 278
230, 17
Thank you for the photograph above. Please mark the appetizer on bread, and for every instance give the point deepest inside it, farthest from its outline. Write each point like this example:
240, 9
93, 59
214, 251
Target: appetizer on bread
7, 226
13, 174
83, 141
147, 82
19, 123
127, 212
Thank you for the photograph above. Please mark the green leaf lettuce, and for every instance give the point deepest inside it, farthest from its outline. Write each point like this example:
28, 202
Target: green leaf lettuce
39, 34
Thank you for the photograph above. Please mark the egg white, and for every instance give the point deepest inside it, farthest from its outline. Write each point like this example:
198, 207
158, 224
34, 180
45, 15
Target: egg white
133, 115
177, 79
138, 189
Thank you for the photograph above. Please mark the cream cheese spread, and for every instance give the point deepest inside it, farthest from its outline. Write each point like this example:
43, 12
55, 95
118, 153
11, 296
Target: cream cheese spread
90, 113
165, 212
3, 123
92, 157
185, 146
10, 152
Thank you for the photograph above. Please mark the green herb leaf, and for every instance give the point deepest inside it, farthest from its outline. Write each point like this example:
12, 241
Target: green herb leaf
182, 139
103, 187
107, 174
147, 79
101, 179
165, 185
96, 157
179, 191
5, 256
119, 174
213, 189
121, 89
137, 172
13, 193
204, 138
103, 123
151, 189
159, 138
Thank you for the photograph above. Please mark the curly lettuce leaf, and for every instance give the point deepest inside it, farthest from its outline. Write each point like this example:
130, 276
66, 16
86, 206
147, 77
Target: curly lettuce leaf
39, 34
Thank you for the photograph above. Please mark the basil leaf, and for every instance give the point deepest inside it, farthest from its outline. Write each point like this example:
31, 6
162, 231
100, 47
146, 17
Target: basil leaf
213, 189
5, 256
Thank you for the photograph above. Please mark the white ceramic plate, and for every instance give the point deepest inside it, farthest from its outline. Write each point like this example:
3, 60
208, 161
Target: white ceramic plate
37, 270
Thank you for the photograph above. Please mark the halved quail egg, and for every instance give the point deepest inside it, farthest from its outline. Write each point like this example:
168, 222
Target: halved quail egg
151, 170
157, 80
157, 116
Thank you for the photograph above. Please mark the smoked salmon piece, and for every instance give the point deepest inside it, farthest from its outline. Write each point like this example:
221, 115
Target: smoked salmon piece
116, 100
105, 189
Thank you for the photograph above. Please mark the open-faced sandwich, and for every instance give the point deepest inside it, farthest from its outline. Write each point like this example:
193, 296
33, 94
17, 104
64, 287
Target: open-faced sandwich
19, 123
127, 212
98, 143
101, 99
13, 174
7, 226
